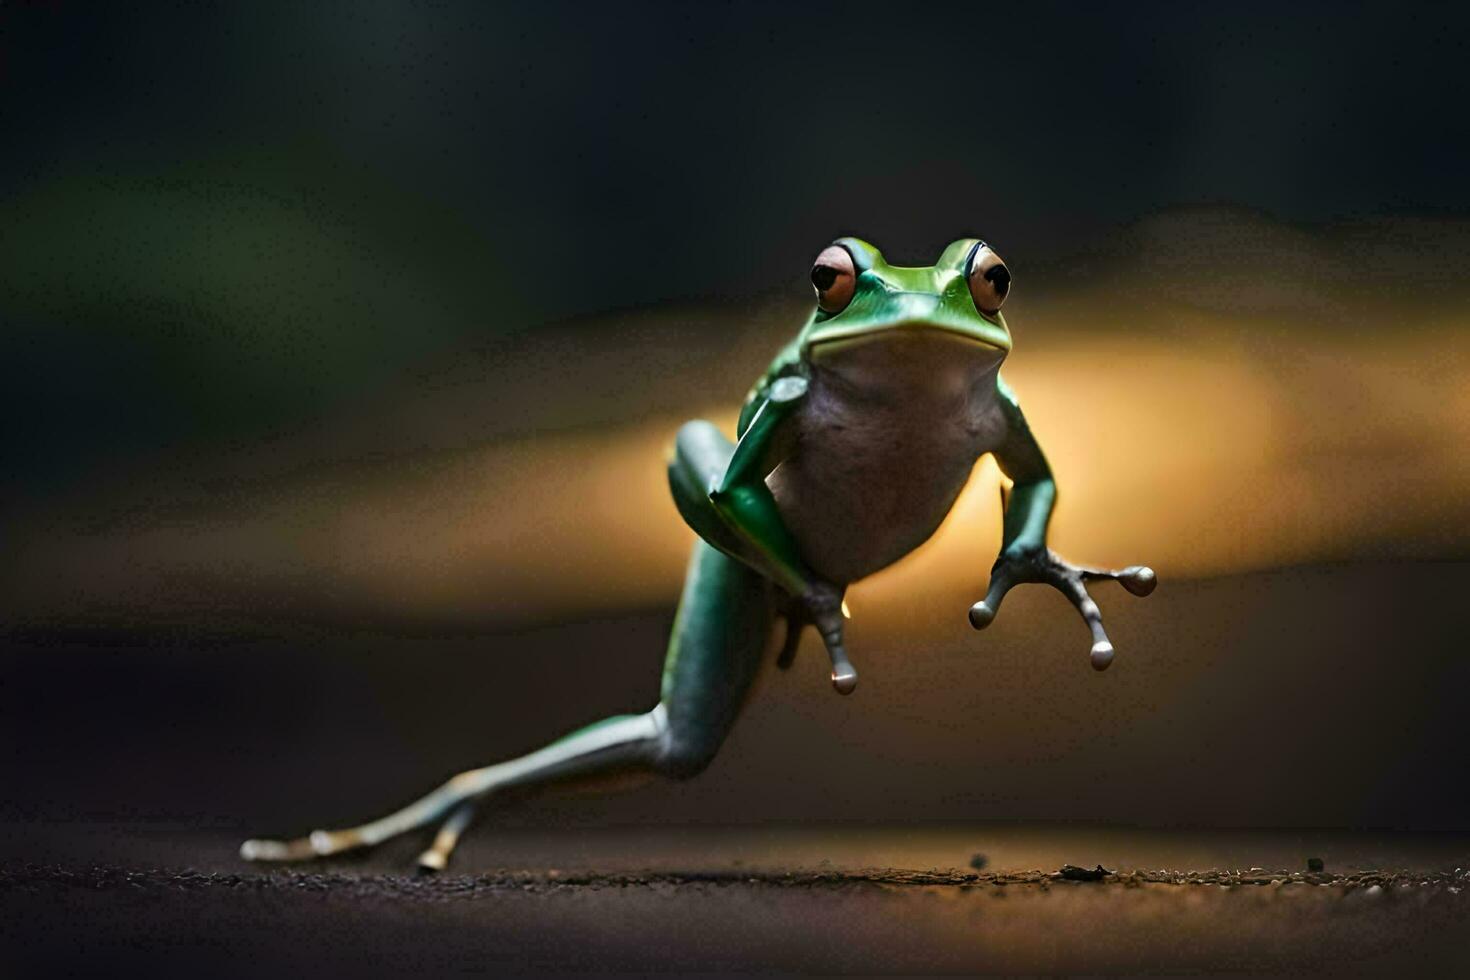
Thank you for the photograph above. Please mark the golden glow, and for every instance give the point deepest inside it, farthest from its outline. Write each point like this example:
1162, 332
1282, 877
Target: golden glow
1186, 451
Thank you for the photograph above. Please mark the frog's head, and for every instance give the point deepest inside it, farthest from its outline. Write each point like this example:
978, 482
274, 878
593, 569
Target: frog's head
862, 299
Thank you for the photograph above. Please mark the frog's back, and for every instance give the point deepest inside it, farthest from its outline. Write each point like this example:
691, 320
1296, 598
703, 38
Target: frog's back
885, 440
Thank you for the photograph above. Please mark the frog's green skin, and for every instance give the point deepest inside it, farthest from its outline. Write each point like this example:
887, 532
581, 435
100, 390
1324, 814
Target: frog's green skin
851, 450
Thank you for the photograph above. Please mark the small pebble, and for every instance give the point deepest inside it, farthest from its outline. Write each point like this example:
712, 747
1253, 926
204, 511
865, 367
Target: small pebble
1071, 872
978, 861
1374, 891
1314, 864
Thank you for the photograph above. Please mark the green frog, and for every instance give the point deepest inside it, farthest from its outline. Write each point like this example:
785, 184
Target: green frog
850, 450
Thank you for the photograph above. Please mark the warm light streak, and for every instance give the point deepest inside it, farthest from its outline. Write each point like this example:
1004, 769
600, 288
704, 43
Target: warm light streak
1198, 458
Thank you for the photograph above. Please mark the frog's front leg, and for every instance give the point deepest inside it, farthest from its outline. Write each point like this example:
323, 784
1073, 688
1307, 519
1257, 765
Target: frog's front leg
1024, 556
1046, 566
721, 492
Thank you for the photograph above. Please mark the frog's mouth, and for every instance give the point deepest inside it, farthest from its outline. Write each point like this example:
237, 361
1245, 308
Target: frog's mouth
893, 314
958, 336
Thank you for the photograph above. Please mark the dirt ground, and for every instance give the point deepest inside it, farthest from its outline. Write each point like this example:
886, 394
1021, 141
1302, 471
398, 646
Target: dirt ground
737, 900
831, 834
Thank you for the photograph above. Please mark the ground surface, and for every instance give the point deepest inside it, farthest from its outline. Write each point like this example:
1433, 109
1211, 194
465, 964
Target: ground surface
136, 761
779, 899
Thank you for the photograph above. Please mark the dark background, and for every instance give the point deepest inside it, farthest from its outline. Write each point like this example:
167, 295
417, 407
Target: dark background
243, 243
220, 218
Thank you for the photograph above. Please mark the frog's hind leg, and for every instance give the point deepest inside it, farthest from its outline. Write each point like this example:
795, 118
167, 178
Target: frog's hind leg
625, 740
437, 856
719, 636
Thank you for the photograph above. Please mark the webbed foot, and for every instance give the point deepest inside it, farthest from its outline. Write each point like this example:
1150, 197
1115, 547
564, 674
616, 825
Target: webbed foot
1047, 567
325, 843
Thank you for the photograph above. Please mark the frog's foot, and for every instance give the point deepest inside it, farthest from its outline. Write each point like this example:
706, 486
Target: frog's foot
436, 858
325, 843
825, 610
319, 843
1047, 567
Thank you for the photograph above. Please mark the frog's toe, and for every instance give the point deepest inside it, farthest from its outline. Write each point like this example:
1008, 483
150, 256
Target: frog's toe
436, 858
1070, 581
257, 849
981, 615
1002, 579
1138, 579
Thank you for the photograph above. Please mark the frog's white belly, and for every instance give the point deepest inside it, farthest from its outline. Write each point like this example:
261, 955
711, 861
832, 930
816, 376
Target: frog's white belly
884, 446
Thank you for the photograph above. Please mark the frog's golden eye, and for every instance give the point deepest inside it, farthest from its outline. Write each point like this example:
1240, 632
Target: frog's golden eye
834, 277
990, 280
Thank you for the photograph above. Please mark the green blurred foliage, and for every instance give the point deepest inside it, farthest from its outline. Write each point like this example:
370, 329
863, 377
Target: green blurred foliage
238, 290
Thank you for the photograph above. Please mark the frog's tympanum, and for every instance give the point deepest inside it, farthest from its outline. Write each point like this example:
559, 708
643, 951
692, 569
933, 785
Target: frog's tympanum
850, 451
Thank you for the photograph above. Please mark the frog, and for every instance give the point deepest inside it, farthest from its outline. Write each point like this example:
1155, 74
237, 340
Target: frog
850, 450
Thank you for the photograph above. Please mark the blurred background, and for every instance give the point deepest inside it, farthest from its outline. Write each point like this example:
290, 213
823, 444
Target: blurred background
342, 344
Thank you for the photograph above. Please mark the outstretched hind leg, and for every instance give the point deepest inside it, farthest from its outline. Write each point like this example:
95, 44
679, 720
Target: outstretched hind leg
623, 740
714, 654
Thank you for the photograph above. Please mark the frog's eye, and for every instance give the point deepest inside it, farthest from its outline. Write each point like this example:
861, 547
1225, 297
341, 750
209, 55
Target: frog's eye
834, 278
990, 280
